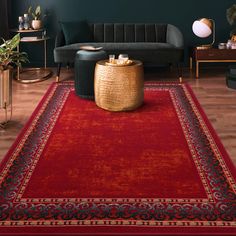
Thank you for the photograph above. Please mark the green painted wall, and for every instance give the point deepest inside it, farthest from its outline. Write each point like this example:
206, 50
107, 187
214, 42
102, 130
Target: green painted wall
178, 12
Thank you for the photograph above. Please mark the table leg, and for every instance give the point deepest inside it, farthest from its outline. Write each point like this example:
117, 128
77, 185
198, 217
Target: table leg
18, 67
45, 54
197, 69
191, 63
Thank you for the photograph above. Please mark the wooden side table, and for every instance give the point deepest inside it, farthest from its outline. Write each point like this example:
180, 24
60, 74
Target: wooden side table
210, 55
34, 74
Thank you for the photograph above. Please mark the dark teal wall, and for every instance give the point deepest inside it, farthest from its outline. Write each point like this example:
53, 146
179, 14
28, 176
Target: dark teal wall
181, 13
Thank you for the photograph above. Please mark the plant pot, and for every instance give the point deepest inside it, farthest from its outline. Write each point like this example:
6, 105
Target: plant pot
37, 24
5, 88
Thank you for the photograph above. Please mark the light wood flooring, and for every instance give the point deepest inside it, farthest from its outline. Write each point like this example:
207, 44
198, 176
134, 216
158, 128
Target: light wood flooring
217, 100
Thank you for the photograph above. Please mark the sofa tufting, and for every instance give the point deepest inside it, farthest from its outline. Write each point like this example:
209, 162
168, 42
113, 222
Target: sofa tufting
150, 43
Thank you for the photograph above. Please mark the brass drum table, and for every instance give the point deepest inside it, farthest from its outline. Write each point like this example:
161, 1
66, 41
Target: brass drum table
119, 88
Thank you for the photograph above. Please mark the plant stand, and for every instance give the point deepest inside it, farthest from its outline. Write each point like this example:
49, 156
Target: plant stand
6, 96
7, 116
34, 74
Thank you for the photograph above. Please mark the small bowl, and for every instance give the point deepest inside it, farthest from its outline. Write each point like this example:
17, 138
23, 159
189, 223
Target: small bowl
222, 46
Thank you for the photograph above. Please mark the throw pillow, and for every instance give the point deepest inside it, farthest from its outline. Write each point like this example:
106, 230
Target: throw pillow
76, 32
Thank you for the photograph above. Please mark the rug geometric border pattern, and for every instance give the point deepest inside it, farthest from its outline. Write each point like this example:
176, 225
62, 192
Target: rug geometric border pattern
216, 171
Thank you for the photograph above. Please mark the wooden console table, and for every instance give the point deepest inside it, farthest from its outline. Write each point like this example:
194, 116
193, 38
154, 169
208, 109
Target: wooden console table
211, 55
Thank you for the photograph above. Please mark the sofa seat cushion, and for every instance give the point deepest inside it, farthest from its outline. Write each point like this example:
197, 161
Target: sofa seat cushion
120, 46
67, 53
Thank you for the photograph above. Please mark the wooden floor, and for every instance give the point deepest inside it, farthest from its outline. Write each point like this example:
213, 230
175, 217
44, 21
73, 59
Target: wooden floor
218, 101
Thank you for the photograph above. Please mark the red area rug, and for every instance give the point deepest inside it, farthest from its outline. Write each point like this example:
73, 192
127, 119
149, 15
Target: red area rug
76, 169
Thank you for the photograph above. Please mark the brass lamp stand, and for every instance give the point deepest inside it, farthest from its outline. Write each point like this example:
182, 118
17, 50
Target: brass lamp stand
6, 96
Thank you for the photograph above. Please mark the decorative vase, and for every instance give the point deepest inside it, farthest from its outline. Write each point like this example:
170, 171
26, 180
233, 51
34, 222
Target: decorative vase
5, 88
26, 22
21, 23
37, 24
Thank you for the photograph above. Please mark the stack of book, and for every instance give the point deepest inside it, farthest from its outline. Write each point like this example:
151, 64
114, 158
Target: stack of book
28, 39
231, 77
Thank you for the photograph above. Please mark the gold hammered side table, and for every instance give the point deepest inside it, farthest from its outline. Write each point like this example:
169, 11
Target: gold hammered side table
119, 88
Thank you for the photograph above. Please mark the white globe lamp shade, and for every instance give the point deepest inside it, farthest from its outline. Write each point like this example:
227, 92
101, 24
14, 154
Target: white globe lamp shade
202, 28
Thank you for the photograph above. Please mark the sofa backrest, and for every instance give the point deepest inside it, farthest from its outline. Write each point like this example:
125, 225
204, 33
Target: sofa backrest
131, 32
128, 32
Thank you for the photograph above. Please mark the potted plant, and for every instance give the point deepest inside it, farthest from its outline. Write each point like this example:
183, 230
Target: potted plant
36, 14
9, 57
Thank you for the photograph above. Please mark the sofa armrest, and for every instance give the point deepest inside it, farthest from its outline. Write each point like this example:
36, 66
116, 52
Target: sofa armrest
60, 39
174, 36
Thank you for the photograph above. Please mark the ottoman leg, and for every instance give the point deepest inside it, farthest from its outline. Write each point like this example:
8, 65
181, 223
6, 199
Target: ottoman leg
180, 72
58, 72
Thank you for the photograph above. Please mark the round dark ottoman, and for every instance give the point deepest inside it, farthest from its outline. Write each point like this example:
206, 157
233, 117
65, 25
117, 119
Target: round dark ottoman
85, 62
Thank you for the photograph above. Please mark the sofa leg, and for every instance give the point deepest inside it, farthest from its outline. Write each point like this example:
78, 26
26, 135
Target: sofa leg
180, 72
58, 72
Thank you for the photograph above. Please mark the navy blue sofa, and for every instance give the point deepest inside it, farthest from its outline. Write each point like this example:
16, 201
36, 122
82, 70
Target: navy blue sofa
150, 43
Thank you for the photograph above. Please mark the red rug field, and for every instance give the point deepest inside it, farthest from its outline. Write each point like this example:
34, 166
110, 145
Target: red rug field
76, 169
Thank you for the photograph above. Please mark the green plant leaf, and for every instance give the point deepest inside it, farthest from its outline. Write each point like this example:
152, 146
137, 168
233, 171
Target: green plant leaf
38, 10
4, 43
36, 14
2, 50
30, 10
9, 56
231, 14
14, 42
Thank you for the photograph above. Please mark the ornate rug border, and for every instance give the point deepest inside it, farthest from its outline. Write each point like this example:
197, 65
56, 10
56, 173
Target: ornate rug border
226, 158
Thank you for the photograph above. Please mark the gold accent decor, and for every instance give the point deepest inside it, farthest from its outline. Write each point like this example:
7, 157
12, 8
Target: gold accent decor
119, 88
207, 22
26, 31
5, 86
6, 95
116, 63
233, 38
209, 61
203, 47
35, 74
